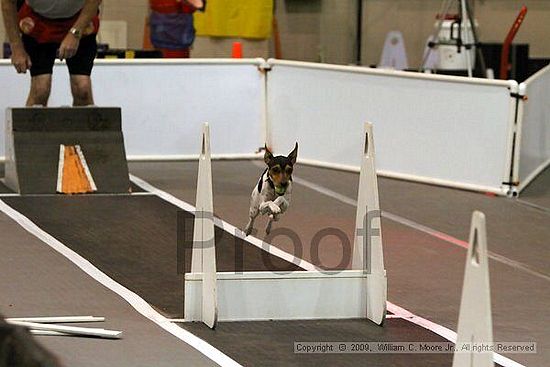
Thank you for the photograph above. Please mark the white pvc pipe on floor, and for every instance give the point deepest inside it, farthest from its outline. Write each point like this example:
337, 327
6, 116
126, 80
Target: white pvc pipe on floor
58, 319
72, 330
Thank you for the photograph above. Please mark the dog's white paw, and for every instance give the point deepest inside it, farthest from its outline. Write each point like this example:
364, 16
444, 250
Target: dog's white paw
264, 207
282, 202
274, 208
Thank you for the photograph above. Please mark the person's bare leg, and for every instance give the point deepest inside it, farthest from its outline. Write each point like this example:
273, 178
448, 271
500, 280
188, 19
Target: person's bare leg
40, 90
81, 88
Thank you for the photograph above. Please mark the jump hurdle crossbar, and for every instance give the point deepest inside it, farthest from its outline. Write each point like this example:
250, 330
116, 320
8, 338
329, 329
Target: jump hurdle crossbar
269, 295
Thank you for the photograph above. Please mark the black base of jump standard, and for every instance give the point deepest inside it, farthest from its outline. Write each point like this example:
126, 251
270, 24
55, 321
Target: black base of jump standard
34, 136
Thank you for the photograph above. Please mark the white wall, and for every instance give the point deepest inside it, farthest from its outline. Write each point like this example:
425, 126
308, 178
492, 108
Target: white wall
311, 28
165, 102
416, 18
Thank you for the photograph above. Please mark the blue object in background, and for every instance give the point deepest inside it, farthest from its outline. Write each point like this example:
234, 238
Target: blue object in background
172, 31
7, 51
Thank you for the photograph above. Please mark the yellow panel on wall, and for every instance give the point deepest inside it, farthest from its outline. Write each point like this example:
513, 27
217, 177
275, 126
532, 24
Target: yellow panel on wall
236, 18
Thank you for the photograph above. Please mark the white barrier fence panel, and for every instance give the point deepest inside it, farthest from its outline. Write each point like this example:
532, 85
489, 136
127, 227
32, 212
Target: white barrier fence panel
442, 130
164, 103
439, 129
534, 154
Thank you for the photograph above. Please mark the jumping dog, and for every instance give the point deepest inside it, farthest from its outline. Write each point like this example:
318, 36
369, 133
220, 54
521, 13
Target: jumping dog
272, 193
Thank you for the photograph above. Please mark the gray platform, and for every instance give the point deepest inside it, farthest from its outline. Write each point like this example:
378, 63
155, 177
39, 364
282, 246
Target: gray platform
33, 137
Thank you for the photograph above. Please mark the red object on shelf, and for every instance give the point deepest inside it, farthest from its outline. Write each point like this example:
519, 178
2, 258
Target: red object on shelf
237, 51
504, 64
447, 16
277, 39
171, 6
175, 54
147, 45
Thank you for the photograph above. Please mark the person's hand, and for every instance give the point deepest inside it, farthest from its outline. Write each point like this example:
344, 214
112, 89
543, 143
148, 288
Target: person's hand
20, 59
197, 4
68, 47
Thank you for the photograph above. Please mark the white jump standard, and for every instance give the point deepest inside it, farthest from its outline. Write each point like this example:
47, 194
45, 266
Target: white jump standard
246, 296
475, 322
203, 257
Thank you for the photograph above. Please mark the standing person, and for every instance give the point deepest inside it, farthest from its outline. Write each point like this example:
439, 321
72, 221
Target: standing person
41, 30
171, 24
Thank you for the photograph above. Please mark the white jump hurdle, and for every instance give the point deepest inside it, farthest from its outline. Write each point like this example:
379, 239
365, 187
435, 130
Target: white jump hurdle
475, 325
247, 296
368, 254
203, 256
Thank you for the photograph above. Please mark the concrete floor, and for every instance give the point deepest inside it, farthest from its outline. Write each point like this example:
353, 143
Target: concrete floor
37, 281
424, 272
537, 193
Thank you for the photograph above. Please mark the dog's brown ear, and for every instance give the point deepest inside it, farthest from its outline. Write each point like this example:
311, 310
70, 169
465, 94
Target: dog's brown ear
294, 154
268, 156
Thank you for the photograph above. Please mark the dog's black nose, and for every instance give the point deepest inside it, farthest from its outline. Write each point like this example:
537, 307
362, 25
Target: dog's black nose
284, 184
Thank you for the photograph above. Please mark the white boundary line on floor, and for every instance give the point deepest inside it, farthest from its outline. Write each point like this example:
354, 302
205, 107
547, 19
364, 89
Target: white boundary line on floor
229, 228
132, 298
533, 205
399, 312
422, 228
15, 195
444, 332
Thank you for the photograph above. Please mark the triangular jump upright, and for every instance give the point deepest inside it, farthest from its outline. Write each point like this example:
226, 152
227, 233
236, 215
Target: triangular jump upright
475, 325
368, 252
204, 251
